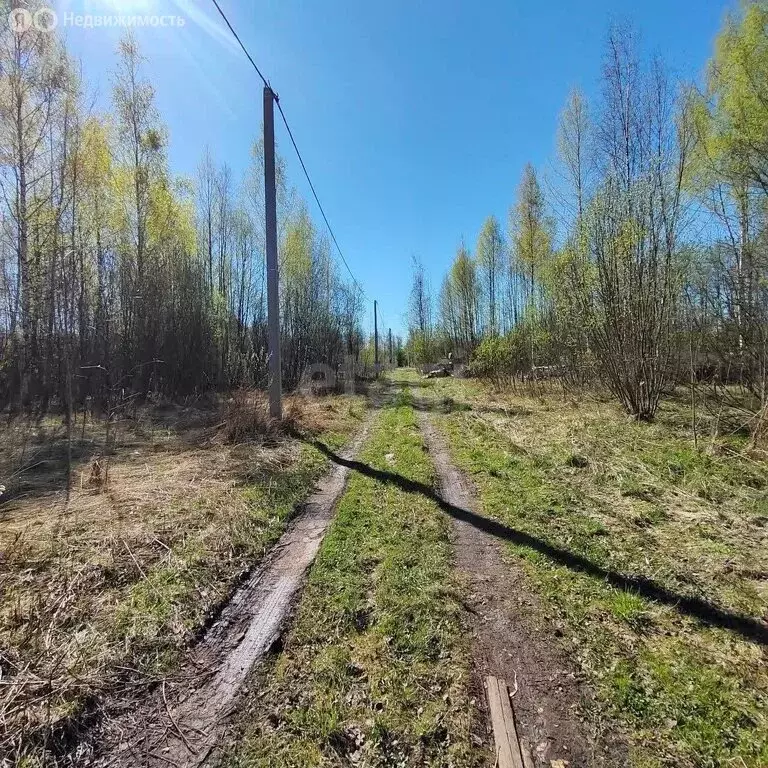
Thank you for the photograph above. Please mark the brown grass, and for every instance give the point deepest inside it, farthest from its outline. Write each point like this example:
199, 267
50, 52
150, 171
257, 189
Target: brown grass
246, 417
156, 529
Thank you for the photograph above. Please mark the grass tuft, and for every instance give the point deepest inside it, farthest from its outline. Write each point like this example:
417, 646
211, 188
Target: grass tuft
628, 607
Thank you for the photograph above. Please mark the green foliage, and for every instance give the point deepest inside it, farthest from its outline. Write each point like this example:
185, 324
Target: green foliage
460, 303
733, 127
298, 245
500, 358
532, 235
421, 348
490, 262
705, 718
532, 229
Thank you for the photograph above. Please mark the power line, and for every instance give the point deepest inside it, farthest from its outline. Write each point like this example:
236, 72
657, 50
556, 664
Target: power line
245, 50
295, 146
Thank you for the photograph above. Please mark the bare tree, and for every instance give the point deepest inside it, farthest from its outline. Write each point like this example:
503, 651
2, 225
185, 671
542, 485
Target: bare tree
632, 280
574, 151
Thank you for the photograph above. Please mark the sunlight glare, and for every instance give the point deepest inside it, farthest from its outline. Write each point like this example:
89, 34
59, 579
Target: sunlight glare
129, 6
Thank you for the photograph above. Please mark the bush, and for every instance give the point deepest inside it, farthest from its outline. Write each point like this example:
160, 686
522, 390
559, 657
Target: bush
502, 357
246, 417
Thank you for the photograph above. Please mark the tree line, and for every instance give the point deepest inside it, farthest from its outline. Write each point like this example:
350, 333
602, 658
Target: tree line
643, 262
119, 278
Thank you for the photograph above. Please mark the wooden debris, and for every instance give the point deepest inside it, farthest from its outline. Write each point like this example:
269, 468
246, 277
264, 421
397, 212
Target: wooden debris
508, 752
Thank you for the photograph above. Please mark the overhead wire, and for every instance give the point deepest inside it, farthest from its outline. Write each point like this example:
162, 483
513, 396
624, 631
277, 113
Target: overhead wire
295, 147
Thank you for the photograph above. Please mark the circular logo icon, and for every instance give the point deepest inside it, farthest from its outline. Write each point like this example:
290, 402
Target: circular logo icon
45, 19
20, 20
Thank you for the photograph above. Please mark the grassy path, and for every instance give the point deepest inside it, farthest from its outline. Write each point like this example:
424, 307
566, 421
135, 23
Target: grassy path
376, 669
511, 635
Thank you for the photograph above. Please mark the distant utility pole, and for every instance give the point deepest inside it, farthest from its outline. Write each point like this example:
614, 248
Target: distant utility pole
273, 282
390, 346
376, 336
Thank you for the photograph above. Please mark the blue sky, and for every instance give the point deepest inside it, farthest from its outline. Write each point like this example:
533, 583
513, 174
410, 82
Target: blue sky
414, 118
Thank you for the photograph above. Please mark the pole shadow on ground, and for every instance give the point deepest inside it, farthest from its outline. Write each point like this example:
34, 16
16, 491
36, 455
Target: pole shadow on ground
698, 608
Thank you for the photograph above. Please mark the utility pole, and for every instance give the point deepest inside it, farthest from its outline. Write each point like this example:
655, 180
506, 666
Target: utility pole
273, 281
375, 337
390, 346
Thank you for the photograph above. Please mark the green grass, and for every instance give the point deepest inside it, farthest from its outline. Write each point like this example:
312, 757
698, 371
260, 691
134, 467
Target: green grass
690, 695
628, 607
375, 670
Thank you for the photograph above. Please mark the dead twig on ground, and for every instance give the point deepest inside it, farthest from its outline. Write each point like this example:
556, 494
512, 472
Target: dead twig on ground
175, 724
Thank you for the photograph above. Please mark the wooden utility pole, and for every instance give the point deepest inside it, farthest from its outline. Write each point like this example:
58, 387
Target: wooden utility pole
273, 281
390, 346
375, 336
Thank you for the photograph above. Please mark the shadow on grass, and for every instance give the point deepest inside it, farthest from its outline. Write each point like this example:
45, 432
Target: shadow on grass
409, 384
449, 405
707, 613
45, 471
446, 405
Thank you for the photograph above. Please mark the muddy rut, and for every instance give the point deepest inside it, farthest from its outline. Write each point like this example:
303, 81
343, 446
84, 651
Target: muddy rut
511, 638
182, 722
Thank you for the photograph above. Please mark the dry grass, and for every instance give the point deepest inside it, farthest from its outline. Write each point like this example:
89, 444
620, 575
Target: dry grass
106, 587
246, 417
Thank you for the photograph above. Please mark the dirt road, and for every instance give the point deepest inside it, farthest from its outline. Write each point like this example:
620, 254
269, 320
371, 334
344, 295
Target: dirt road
183, 720
510, 637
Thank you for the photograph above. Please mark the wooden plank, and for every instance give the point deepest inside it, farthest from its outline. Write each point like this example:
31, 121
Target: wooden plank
508, 753
509, 722
503, 751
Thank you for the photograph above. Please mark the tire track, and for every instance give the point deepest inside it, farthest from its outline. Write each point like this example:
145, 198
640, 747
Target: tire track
182, 722
511, 638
